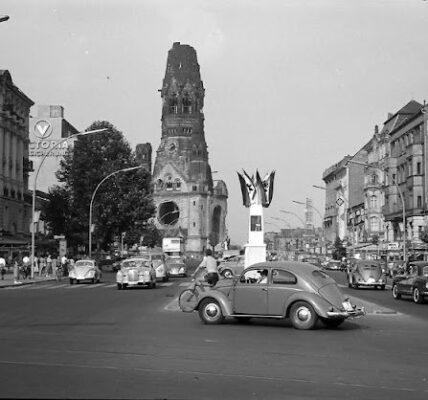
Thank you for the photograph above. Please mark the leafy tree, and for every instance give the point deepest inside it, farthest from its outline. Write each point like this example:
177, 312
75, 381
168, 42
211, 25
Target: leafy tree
122, 203
339, 249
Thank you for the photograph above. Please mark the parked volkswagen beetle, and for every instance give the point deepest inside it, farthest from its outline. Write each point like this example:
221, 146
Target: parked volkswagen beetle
283, 289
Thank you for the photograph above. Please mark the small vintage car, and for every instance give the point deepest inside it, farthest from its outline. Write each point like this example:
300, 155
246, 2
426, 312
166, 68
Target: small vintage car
176, 266
136, 271
84, 270
366, 273
231, 266
157, 260
413, 282
334, 265
282, 289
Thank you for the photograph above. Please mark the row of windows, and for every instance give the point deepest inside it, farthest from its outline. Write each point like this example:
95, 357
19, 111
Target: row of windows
399, 146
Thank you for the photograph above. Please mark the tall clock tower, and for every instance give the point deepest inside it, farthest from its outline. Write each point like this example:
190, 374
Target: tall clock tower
188, 203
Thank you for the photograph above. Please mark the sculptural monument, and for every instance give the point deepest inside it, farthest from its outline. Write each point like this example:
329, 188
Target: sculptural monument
257, 194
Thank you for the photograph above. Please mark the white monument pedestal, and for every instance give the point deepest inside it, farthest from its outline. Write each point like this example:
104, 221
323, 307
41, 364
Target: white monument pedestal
255, 249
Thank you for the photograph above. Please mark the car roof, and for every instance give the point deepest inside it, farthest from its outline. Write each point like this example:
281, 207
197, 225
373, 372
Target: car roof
297, 267
368, 262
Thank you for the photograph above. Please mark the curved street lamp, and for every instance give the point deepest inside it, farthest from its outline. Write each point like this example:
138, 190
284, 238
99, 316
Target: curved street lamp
92, 200
292, 213
4, 18
33, 209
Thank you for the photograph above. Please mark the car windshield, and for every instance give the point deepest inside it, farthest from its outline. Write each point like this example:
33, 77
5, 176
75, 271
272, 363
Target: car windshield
84, 263
369, 267
425, 271
135, 263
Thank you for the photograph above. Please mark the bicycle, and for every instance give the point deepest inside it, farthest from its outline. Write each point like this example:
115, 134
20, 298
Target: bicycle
189, 297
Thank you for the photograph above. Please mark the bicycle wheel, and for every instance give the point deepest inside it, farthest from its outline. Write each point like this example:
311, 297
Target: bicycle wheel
188, 300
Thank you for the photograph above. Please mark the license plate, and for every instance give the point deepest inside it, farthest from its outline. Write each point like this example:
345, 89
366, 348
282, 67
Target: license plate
370, 280
347, 306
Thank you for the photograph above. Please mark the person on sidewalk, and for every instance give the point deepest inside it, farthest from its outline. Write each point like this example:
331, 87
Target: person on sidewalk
48, 265
16, 273
2, 267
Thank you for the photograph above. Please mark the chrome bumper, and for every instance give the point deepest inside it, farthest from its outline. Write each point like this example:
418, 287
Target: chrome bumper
358, 312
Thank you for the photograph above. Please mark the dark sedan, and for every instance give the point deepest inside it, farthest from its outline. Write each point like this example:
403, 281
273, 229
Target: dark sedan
414, 282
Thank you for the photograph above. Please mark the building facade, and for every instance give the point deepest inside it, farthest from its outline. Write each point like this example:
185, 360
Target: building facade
187, 200
15, 166
47, 127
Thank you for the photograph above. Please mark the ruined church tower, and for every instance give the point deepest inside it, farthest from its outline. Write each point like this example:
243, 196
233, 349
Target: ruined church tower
188, 203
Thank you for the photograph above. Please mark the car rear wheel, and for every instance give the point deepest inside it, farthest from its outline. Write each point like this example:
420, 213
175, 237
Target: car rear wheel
332, 323
71, 281
227, 273
210, 312
395, 292
417, 297
303, 316
119, 286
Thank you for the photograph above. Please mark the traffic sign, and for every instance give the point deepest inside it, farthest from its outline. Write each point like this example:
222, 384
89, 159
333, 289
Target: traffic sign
340, 201
59, 237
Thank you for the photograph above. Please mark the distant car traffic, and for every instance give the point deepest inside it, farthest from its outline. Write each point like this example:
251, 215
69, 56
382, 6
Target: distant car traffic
366, 273
413, 282
134, 272
157, 260
231, 266
84, 270
334, 265
282, 289
312, 260
176, 266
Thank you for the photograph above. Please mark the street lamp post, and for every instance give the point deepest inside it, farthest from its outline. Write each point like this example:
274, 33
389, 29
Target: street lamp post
33, 209
292, 213
92, 201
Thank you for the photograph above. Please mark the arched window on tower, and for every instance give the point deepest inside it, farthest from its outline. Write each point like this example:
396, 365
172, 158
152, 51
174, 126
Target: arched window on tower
373, 201
168, 185
187, 104
177, 184
194, 150
159, 184
173, 104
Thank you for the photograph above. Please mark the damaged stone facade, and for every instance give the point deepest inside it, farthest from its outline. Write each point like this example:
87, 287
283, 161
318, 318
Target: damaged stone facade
188, 203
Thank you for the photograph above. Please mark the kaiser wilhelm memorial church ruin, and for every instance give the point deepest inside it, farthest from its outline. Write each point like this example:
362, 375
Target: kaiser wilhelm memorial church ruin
188, 203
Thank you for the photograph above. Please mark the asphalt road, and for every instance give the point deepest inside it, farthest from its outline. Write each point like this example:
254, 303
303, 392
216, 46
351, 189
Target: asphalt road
93, 341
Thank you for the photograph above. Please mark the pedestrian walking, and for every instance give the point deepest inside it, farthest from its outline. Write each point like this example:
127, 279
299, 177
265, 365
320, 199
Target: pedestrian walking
48, 265
54, 265
16, 272
36, 266
2, 267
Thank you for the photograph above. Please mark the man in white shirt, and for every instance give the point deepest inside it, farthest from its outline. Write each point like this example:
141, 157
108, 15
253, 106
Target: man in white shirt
210, 265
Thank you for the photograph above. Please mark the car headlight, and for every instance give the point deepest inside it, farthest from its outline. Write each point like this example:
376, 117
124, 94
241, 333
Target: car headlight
426, 285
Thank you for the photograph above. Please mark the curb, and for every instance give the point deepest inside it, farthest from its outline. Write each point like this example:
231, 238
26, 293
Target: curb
25, 283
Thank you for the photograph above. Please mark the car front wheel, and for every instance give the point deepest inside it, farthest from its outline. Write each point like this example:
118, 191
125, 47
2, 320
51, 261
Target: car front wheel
417, 297
303, 316
395, 293
210, 312
227, 274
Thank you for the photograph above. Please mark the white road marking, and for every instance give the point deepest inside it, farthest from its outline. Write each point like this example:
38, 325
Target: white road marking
166, 284
111, 285
184, 284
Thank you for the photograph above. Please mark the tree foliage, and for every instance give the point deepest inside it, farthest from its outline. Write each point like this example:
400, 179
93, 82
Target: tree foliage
121, 203
339, 249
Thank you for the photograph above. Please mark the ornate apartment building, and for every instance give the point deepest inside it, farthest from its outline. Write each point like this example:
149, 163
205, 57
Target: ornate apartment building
188, 202
15, 166
393, 183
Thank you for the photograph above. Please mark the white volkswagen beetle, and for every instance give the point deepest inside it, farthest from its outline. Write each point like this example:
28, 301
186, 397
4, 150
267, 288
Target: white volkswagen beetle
84, 270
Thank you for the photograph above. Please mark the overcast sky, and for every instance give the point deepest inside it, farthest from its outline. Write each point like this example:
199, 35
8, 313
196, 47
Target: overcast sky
290, 85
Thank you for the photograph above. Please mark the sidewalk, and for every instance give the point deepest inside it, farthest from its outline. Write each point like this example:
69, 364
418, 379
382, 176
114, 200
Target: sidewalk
9, 281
